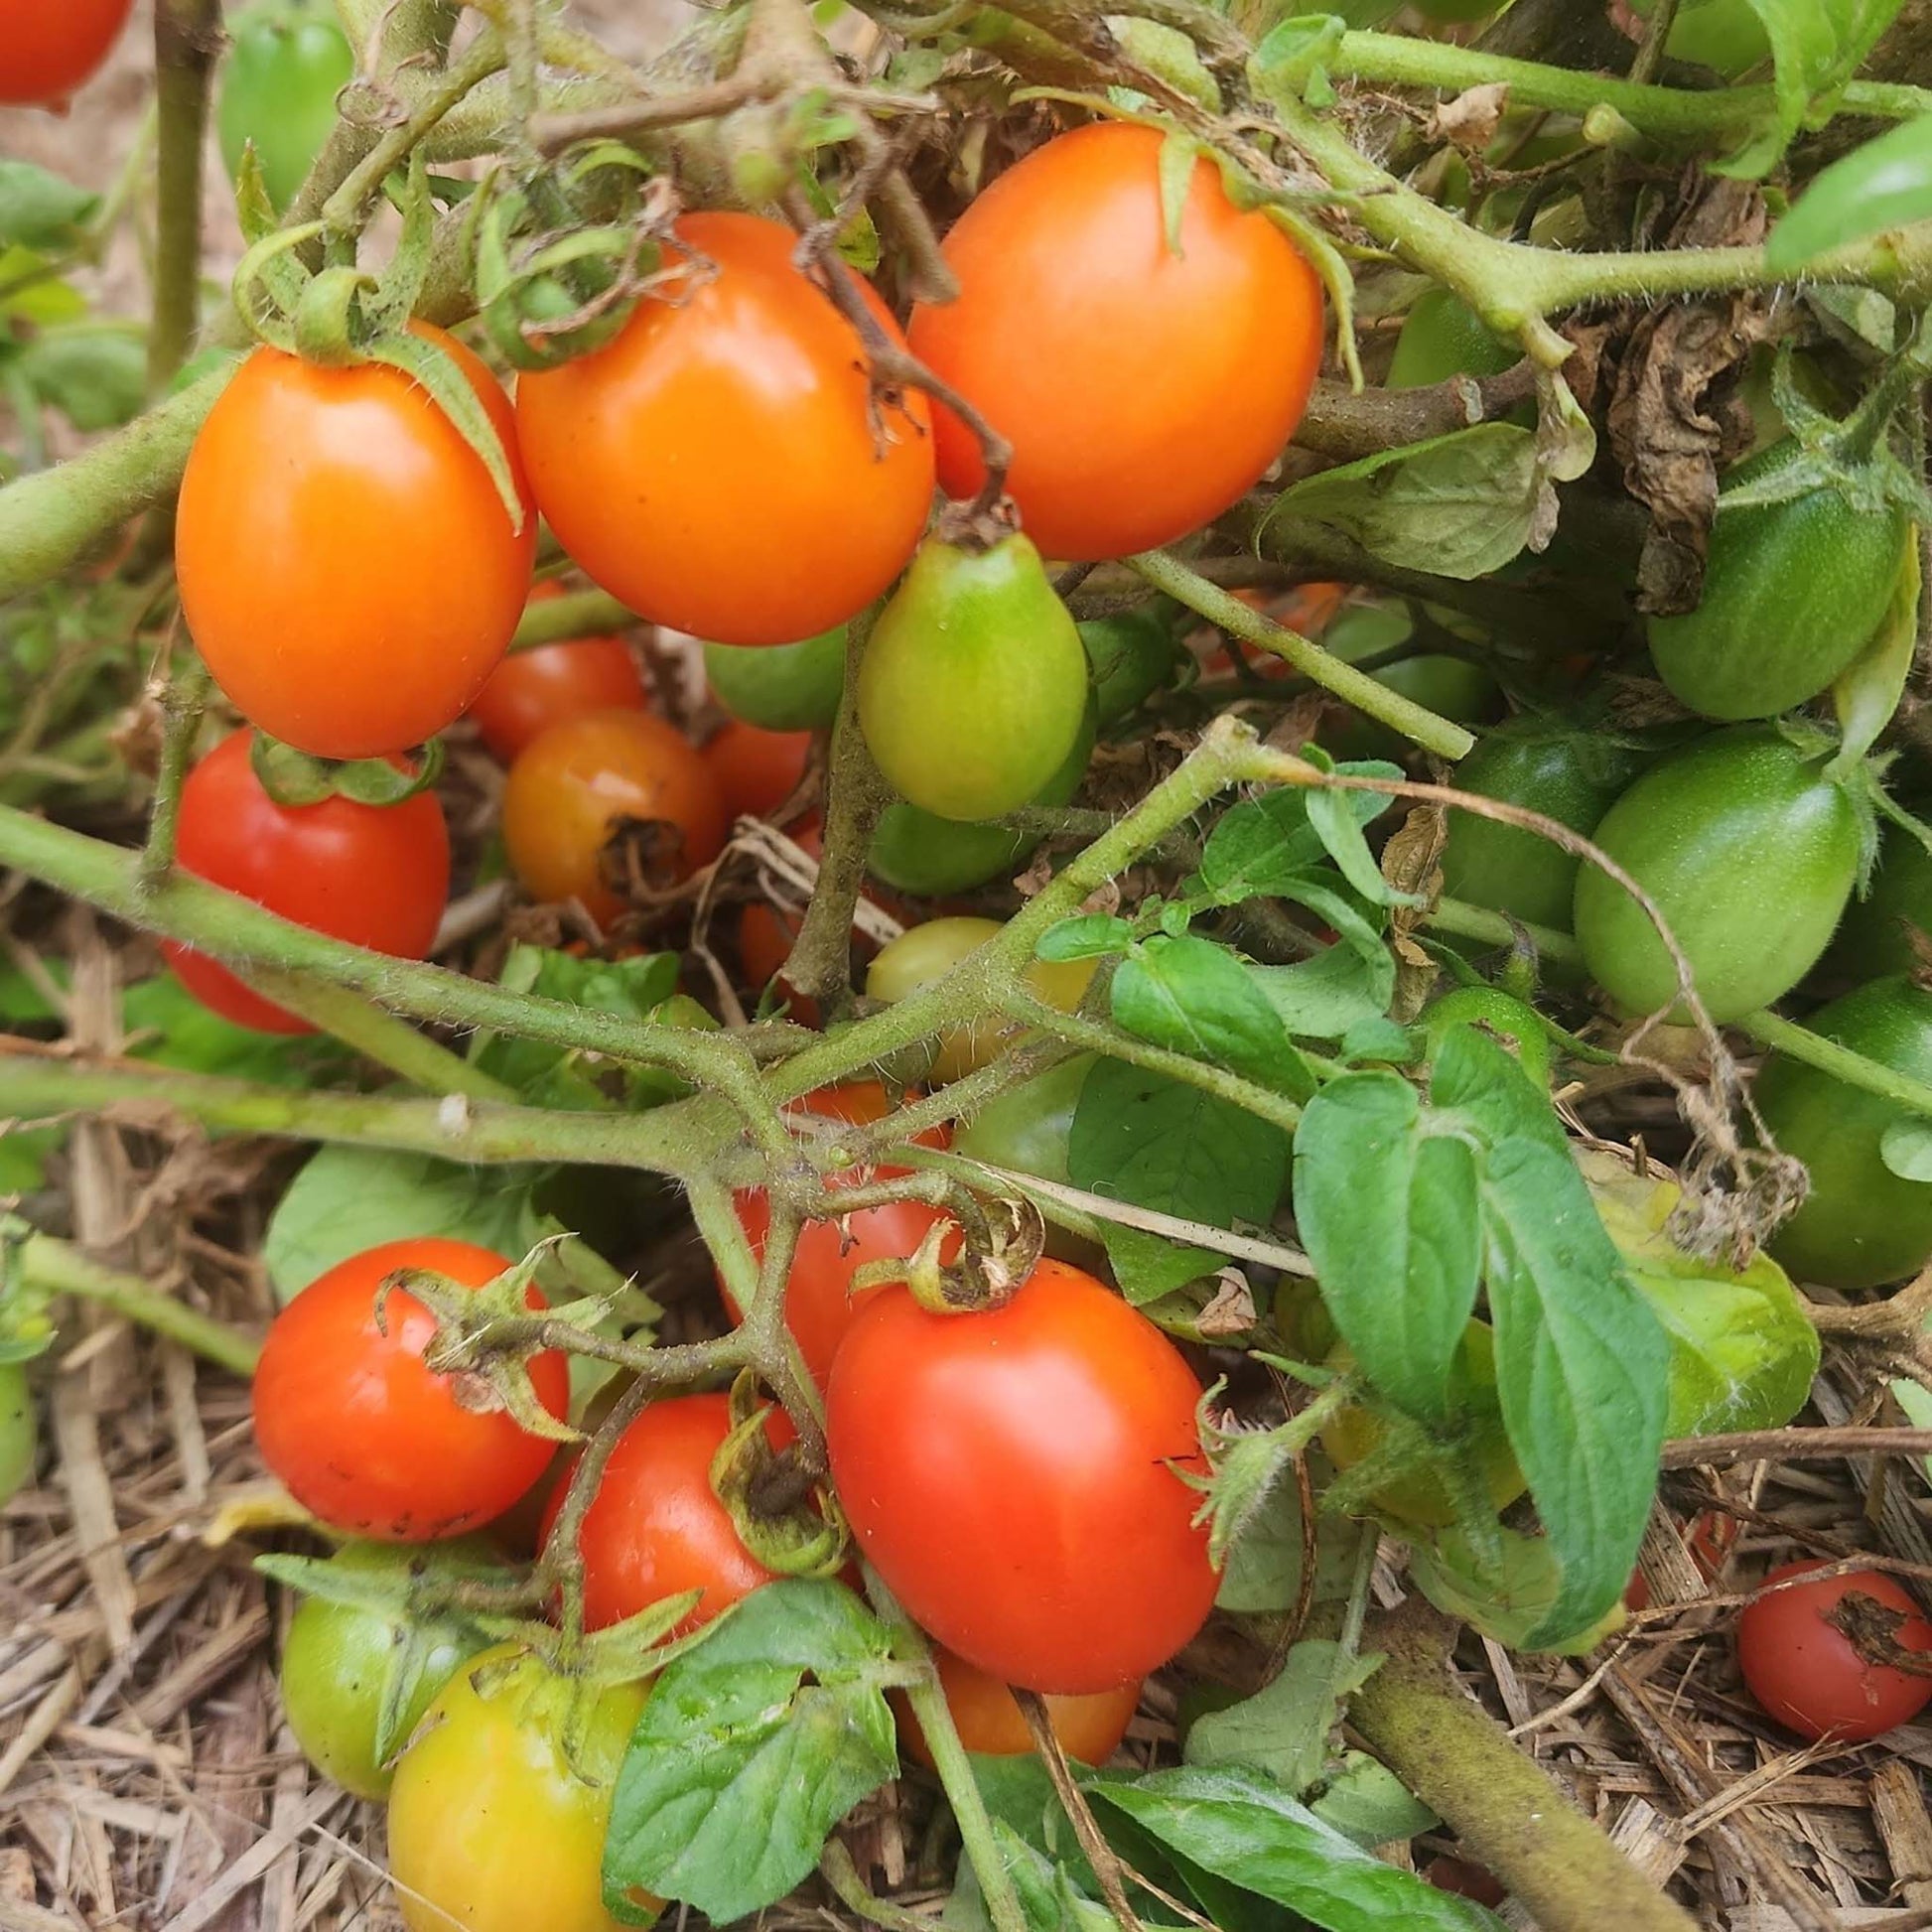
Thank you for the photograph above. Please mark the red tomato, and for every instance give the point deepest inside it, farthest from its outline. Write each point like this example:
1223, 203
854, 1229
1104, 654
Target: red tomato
743, 406
1105, 355
532, 690
1808, 1674
990, 1724
363, 1434
757, 770
346, 567
376, 875
819, 1304
655, 1527
1465, 1880
48, 48
1008, 1475
579, 781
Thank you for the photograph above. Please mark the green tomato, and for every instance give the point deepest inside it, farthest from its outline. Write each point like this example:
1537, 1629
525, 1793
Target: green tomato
915, 851
1453, 687
1862, 1225
1512, 1022
1028, 1129
974, 685
779, 687
1443, 337
1876, 934
19, 1430
1131, 657
1726, 34
341, 1664
1792, 594
1571, 776
1749, 851
288, 64
1449, 11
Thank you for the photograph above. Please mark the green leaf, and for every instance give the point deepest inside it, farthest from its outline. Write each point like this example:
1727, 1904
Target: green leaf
1284, 1730
1238, 1827
1149, 1265
1505, 1593
1868, 691
1093, 935
751, 1748
23, 1158
1353, 980
170, 1028
1883, 185
1459, 505
41, 211
1387, 1212
1367, 1802
1817, 45
1178, 153
1263, 846
1293, 56
1916, 1404
95, 376
1196, 998
1337, 819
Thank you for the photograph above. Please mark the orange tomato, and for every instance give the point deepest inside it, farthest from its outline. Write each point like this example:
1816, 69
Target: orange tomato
576, 783
757, 770
717, 465
48, 48
990, 1724
531, 690
1144, 390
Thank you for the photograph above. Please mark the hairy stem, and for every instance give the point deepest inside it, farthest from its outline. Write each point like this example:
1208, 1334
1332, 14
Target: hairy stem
578, 614
182, 706
186, 39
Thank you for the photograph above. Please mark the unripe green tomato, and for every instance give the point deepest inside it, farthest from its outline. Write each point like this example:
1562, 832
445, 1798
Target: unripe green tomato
1726, 34
1792, 594
1749, 851
1862, 1225
1502, 1013
1131, 657
779, 687
1028, 1129
1452, 687
1443, 337
279, 85
974, 683
1875, 934
19, 1430
336, 1669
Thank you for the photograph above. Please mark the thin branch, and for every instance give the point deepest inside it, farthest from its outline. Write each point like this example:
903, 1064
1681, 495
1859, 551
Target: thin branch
187, 39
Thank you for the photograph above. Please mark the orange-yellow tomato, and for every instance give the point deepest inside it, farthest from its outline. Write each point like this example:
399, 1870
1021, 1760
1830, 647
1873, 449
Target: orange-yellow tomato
719, 466
576, 784
990, 1724
1143, 389
347, 570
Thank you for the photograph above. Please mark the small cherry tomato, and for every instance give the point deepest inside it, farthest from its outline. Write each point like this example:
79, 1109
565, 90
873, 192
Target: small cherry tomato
1103, 350
577, 783
655, 1527
741, 406
48, 48
367, 1437
990, 1723
1809, 1675
499, 1808
531, 690
1012, 1476
757, 770
347, 570
376, 875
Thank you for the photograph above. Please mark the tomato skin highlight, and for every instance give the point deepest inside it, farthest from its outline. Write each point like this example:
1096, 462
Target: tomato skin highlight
491, 1825
1809, 1676
367, 1438
655, 1527
376, 875
531, 690
990, 1725
573, 784
1102, 354
741, 406
346, 568
757, 770
48, 48
1039, 1435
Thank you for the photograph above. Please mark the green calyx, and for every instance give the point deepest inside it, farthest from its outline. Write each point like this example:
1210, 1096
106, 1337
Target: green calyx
295, 779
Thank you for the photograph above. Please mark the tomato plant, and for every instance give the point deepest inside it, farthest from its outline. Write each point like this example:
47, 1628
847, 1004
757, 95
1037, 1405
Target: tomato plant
331, 516
376, 875
47, 52
1809, 1676
1443, 337
757, 770
990, 1725
287, 63
531, 690
779, 687
1726, 34
365, 1435
1513, 1022
1044, 1436
746, 396
1100, 347
582, 781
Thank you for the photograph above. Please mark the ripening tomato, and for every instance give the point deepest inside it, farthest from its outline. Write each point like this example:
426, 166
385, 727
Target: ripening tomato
990, 1723
1011, 1473
500, 1806
819, 1304
581, 781
367, 1437
655, 1527
347, 569
1104, 353
48, 48
531, 690
1809, 1675
757, 770
376, 875
741, 407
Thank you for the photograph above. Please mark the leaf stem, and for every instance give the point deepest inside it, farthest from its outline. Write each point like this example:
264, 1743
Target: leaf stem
182, 706
187, 39
1828, 1056
577, 614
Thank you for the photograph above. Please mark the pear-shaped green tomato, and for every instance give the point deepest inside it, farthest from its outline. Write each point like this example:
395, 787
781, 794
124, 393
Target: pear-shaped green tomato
973, 684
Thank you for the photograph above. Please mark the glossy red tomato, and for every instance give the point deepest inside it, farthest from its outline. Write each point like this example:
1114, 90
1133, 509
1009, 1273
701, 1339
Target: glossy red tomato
990, 1723
740, 410
347, 569
819, 1305
1809, 1676
367, 1437
376, 875
577, 782
757, 770
655, 1527
1143, 389
531, 690
48, 48
1009, 1476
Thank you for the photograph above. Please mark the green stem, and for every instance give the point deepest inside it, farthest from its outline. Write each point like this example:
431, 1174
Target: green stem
187, 39
835, 1867
60, 1269
1465, 922
560, 620
182, 709
1367, 694
1797, 1043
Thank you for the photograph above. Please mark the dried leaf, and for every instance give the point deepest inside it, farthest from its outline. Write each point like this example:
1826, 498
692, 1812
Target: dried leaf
1471, 119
